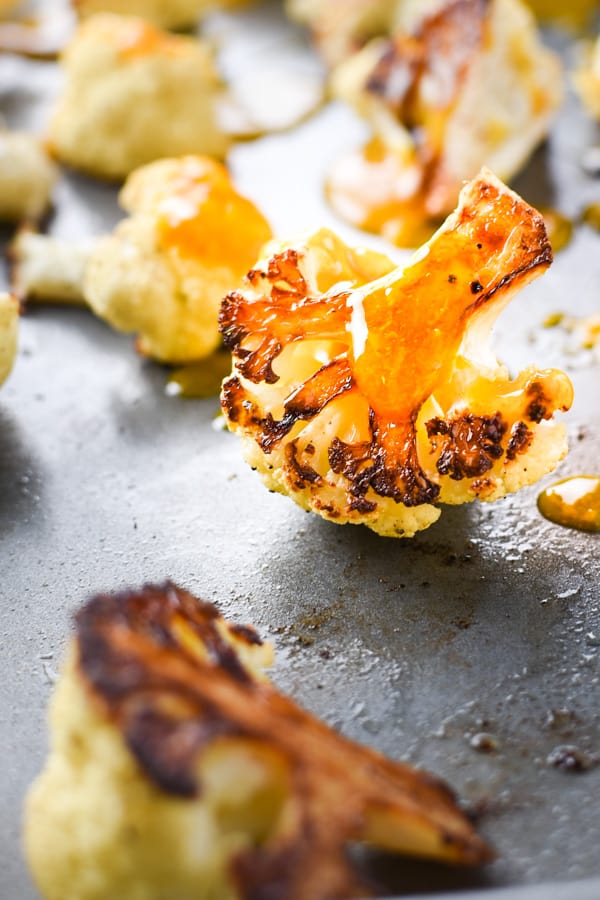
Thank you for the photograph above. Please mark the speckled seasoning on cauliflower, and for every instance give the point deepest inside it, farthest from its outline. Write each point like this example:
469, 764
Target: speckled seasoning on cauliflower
177, 770
134, 94
472, 86
163, 13
9, 326
164, 270
373, 401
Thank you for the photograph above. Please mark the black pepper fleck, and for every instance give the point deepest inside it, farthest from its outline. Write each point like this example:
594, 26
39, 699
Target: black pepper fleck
452, 279
476, 287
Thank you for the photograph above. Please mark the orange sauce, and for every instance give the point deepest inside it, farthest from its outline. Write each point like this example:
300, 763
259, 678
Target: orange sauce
413, 321
376, 190
200, 215
573, 502
202, 379
137, 37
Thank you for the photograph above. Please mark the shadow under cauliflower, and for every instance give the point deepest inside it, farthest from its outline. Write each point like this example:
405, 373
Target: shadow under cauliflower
369, 394
177, 770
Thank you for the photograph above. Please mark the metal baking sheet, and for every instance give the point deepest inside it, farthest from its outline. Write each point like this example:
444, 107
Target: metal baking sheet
489, 621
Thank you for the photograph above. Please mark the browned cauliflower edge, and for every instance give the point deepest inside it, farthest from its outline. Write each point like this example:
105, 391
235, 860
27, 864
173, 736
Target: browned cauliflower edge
177, 769
372, 396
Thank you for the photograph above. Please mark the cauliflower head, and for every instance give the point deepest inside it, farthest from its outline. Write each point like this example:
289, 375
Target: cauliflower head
163, 272
134, 94
9, 326
163, 13
177, 770
373, 401
472, 86
27, 177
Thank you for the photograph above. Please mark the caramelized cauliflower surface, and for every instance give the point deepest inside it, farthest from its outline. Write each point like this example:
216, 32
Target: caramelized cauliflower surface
27, 177
163, 272
472, 86
134, 94
372, 401
9, 325
163, 13
176, 769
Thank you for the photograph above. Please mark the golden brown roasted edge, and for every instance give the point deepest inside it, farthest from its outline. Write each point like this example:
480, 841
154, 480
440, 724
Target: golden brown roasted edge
166, 670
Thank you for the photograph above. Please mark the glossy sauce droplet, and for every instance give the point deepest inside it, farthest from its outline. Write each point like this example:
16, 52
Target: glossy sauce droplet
573, 502
591, 216
202, 379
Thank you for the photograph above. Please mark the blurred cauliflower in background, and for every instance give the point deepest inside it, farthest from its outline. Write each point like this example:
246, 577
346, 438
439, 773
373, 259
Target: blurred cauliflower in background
163, 13
369, 394
471, 85
177, 770
134, 94
27, 177
163, 272
587, 78
9, 324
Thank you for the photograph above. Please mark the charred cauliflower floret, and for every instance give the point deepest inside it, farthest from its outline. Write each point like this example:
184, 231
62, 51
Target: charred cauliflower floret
587, 78
9, 324
27, 177
163, 272
177, 770
472, 86
134, 94
372, 401
163, 13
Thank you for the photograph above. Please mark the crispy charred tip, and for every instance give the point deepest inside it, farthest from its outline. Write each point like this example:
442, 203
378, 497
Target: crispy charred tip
167, 672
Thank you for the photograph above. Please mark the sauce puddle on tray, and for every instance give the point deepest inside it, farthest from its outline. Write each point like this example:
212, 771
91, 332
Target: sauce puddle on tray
573, 502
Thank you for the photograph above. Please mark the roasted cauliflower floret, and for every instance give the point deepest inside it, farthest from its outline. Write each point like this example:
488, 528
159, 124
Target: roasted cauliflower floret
27, 177
587, 78
177, 770
163, 13
134, 94
472, 86
372, 401
164, 271
9, 324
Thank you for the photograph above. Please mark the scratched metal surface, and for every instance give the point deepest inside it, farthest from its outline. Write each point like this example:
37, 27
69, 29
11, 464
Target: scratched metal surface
489, 621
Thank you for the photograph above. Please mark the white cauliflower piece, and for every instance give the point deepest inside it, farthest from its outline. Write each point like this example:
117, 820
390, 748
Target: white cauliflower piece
27, 177
164, 270
47, 269
341, 27
9, 325
372, 401
472, 86
163, 13
177, 770
134, 94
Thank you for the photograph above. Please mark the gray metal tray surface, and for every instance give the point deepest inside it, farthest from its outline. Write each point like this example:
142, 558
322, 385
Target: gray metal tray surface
489, 621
